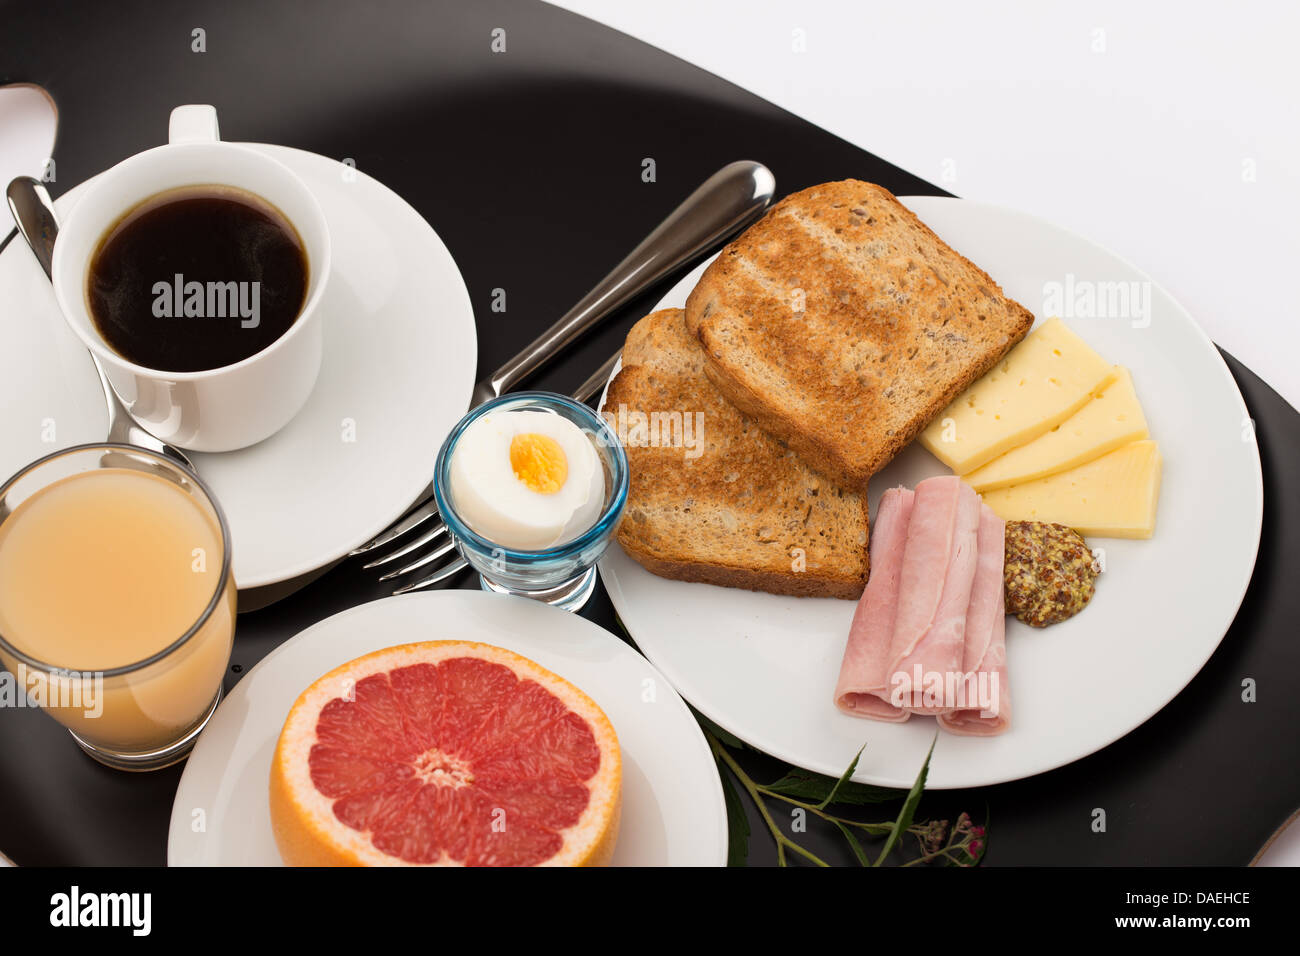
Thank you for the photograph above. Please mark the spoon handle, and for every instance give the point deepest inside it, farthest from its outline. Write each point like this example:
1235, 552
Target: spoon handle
33, 211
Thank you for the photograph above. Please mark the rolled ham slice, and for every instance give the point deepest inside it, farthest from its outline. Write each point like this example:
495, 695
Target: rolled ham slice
862, 689
985, 658
934, 591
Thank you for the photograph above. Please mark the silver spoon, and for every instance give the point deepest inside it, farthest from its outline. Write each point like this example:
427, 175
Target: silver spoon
33, 211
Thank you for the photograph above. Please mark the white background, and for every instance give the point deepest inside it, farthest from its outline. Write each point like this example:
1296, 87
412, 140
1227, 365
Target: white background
1129, 123
1168, 132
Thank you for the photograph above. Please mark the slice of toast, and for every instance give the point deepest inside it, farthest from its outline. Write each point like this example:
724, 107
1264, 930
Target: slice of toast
843, 325
713, 498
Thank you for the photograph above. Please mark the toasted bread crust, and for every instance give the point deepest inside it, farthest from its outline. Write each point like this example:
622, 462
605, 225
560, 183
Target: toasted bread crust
734, 514
750, 579
842, 324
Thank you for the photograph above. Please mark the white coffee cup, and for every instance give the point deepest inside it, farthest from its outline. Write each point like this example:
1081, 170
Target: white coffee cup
218, 409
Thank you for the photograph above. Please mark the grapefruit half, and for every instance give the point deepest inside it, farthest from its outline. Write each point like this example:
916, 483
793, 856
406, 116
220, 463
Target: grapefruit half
445, 753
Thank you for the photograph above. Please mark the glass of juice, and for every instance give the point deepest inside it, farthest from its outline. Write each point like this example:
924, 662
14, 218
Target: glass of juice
117, 599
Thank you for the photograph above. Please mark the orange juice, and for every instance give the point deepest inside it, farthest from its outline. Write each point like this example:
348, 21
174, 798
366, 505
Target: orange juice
102, 570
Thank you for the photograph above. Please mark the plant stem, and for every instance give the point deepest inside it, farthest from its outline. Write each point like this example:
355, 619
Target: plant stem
875, 829
782, 841
954, 851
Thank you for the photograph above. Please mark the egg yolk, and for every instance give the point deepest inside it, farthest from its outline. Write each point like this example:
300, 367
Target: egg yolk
538, 461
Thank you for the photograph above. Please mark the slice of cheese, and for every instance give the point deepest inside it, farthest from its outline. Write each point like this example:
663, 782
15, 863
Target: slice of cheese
1113, 417
1113, 496
1039, 384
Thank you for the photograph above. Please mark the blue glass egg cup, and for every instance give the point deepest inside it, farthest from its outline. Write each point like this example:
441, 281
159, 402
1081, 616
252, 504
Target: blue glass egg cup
563, 576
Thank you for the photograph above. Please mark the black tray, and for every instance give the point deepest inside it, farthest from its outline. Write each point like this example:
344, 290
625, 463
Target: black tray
528, 163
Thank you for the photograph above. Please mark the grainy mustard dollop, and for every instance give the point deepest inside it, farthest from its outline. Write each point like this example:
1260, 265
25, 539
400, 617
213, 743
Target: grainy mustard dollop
1050, 572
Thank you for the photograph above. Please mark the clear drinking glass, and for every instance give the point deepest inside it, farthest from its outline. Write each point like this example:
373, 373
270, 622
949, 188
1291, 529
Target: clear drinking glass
149, 690
565, 575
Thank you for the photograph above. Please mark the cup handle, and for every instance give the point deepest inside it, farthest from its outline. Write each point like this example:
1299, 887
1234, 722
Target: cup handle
196, 123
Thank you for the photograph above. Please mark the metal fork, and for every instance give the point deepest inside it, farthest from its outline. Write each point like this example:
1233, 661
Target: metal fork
584, 392
725, 203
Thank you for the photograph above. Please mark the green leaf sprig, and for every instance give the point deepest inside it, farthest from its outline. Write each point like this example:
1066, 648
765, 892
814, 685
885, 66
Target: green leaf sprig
963, 844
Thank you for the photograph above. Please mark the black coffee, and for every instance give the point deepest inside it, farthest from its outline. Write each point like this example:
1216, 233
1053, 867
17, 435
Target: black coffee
197, 278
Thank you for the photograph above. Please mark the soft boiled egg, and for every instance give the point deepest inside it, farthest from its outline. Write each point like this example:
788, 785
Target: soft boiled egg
526, 480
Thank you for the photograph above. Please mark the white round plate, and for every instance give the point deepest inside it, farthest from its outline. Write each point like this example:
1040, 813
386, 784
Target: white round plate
397, 372
764, 667
673, 810
1283, 847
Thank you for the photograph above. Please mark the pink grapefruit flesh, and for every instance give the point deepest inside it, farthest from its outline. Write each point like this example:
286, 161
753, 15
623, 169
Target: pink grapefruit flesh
445, 753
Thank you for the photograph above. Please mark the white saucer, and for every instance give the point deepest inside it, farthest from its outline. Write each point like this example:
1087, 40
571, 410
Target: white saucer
673, 809
398, 369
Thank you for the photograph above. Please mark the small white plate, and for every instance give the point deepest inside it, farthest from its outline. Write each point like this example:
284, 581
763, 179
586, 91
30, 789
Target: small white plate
673, 810
764, 667
398, 369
